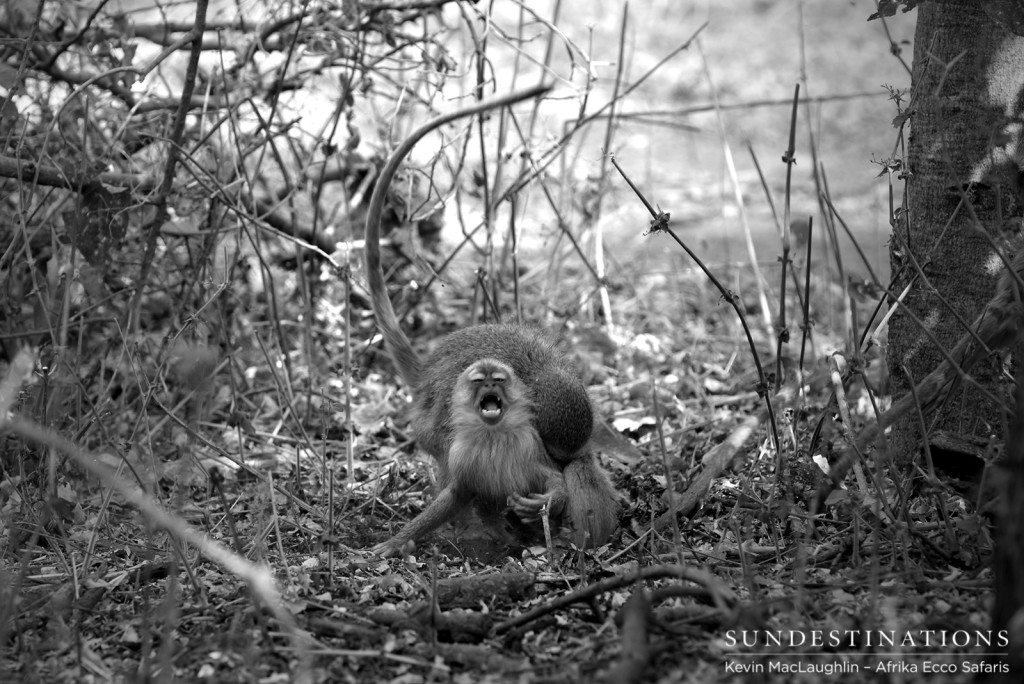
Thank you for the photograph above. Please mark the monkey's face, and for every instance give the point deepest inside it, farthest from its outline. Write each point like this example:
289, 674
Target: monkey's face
490, 394
495, 451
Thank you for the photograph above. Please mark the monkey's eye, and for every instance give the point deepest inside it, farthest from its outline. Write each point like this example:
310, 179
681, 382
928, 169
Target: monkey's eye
476, 377
498, 377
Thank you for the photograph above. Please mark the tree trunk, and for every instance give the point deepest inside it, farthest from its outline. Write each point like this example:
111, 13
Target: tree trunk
962, 182
1009, 556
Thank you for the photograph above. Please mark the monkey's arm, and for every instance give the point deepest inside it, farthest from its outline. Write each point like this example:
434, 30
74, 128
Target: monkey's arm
530, 507
441, 510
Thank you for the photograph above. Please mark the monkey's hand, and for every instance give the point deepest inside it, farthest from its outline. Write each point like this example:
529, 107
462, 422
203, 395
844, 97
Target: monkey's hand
393, 548
441, 509
531, 507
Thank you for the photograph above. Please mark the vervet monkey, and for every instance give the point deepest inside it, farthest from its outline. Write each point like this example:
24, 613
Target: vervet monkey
502, 412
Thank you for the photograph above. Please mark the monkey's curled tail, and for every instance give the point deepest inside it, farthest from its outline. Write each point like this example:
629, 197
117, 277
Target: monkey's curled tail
398, 344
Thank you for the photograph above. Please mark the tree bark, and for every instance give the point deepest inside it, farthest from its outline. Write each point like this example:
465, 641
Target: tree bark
1009, 556
965, 114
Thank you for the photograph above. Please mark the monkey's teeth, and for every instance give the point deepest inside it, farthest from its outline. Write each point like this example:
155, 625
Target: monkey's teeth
490, 409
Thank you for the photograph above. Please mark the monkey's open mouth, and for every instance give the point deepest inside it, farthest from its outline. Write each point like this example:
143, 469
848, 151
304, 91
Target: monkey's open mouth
491, 408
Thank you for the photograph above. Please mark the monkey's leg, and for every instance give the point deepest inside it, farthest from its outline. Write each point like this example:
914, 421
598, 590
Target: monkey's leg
592, 503
441, 510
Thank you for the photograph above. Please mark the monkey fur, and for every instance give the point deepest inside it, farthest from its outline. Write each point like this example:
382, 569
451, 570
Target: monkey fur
498, 407
495, 451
